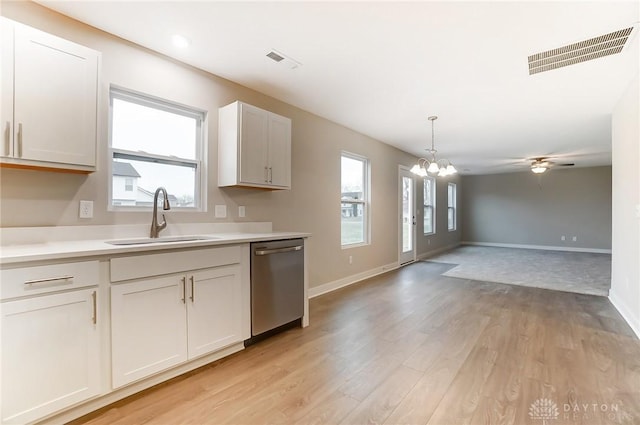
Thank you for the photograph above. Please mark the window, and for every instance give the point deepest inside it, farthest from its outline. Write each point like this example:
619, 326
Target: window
354, 199
451, 206
429, 197
155, 143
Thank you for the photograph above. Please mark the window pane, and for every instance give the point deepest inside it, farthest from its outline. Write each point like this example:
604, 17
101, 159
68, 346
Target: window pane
352, 178
407, 214
352, 223
429, 205
141, 128
428, 220
353, 188
180, 182
451, 210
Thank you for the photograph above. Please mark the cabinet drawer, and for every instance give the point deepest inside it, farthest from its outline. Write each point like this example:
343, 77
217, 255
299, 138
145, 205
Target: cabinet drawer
139, 266
25, 281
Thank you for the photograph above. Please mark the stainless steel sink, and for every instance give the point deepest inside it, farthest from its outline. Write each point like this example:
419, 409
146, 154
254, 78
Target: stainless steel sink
166, 239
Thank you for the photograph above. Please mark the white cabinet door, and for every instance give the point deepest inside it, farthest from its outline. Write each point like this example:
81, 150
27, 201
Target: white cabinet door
6, 89
55, 91
214, 309
50, 354
279, 151
148, 327
254, 148
253, 145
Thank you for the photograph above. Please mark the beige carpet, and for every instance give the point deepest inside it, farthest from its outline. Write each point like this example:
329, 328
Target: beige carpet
580, 272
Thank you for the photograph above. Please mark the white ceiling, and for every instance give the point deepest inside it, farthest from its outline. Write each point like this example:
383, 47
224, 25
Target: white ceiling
381, 68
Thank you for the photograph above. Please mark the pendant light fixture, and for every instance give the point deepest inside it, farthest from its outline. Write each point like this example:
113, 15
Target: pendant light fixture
441, 168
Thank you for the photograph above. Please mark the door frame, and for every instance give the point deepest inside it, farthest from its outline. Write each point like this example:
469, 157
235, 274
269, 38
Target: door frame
410, 256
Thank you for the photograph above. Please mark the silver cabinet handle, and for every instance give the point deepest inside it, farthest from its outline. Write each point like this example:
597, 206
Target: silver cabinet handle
94, 297
7, 139
184, 289
270, 175
49, 279
262, 251
193, 293
266, 174
20, 140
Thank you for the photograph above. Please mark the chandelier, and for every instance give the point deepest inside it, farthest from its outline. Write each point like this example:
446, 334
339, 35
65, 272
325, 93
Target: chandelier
440, 167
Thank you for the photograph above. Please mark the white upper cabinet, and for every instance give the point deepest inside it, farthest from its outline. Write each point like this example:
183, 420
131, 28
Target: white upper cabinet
49, 100
254, 148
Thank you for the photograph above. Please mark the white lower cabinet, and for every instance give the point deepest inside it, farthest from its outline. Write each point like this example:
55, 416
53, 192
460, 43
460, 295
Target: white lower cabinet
50, 354
160, 322
214, 310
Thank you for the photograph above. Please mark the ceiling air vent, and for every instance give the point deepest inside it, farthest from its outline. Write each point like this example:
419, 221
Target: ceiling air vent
594, 48
283, 59
276, 57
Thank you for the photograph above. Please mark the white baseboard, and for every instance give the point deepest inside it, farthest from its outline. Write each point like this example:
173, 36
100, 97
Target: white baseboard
437, 251
625, 312
349, 280
544, 247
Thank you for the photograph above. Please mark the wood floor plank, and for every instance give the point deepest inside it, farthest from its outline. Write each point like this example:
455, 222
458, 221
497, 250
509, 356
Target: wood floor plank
379, 404
415, 347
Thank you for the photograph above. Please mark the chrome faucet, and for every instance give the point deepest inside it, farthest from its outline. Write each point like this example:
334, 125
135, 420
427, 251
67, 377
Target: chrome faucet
155, 226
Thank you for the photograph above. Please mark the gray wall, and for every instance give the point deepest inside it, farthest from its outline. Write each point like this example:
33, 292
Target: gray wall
528, 209
36, 198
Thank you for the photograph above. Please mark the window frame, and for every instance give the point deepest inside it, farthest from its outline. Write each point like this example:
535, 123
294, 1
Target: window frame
199, 163
452, 194
431, 205
365, 201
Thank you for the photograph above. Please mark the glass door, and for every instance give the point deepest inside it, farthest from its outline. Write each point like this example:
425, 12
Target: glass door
407, 207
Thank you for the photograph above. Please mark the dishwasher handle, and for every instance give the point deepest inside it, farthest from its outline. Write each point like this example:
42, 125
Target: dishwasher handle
264, 251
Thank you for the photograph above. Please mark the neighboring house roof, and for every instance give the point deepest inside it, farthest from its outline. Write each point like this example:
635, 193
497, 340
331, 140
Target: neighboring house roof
146, 193
124, 169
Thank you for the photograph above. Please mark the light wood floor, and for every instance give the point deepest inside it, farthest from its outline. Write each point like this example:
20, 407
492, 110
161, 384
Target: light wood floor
415, 347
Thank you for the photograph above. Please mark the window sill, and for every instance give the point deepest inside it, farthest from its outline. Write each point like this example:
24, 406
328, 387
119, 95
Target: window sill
355, 245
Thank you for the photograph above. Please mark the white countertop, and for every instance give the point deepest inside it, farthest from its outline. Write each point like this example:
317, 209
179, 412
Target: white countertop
76, 249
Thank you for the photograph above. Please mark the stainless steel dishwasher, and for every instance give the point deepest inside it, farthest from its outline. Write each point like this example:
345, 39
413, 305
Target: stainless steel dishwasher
277, 286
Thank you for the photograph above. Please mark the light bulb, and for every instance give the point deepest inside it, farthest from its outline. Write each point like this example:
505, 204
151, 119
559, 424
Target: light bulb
433, 168
451, 169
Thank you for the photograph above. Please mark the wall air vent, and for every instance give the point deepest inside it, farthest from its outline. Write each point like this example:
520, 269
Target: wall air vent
593, 48
283, 59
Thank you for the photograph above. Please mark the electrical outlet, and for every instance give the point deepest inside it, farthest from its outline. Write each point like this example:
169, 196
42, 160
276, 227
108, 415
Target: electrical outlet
562, 238
575, 238
242, 211
221, 211
86, 209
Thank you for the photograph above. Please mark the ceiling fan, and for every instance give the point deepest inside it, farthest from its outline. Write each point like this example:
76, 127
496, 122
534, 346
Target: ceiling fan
541, 164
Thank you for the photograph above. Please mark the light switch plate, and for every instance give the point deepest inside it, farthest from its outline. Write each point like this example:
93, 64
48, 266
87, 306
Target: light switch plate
221, 211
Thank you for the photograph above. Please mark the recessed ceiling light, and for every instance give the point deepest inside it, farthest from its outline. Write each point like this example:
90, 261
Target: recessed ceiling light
180, 41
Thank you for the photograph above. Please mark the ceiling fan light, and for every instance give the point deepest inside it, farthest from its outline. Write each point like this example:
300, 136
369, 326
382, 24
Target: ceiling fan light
538, 169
